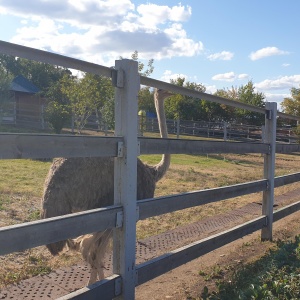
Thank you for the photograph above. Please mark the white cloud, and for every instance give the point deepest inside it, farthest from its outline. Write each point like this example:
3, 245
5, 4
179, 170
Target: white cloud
284, 82
276, 98
230, 76
265, 52
153, 14
79, 12
242, 76
103, 30
168, 75
285, 65
224, 55
210, 89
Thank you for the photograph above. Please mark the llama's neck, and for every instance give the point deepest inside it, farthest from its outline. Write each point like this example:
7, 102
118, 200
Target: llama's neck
162, 167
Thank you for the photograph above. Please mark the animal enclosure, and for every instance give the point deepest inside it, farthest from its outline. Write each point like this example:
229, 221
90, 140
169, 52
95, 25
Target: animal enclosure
125, 146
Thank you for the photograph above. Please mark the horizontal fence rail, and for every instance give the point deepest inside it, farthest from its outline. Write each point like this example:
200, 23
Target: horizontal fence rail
172, 146
158, 206
287, 148
200, 95
108, 288
286, 179
50, 146
14, 146
286, 211
54, 59
32, 234
68, 62
160, 265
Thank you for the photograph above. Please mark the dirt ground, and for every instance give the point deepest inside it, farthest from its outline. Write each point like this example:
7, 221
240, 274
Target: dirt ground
186, 283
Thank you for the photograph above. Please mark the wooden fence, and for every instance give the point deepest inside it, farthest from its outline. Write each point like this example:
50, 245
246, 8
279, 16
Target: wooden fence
216, 130
125, 146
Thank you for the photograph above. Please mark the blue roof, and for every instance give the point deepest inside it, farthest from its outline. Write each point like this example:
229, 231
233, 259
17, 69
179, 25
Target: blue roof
21, 84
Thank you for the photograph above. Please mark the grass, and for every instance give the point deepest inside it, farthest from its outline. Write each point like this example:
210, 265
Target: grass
274, 276
23, 176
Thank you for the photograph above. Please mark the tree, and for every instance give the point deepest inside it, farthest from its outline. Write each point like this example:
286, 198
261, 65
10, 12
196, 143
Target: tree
5, 94
145, 100
57, 111
184, 107
40, 74
245, 94
291, 105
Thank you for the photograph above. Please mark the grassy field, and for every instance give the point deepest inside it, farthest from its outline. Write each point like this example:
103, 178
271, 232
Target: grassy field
21, 188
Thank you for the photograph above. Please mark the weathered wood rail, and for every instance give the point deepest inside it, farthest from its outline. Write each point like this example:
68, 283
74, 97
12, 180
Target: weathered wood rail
125, 147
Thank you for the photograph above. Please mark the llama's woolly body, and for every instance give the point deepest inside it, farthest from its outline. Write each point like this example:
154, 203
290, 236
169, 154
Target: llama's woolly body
77, 184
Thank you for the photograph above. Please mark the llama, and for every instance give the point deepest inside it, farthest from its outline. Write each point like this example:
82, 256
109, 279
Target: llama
92, 247
78, 184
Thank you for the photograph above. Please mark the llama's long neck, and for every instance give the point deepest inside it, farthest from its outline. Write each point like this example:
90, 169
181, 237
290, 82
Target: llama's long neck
159, 97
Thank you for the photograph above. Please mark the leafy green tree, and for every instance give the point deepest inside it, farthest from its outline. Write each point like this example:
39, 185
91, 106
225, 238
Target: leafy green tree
184, 107
57, 111
87, 95
5, 94
145, 100
228, 112
246, 94
291, 105
40, 74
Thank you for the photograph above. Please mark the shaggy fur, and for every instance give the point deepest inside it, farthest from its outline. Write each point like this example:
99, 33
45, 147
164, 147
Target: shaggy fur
92, 247
77, 184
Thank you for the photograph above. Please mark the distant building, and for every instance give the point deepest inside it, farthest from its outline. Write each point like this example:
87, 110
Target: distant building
26, 105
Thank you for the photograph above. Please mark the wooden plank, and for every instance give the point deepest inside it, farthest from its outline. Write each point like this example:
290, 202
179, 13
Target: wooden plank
49, 146
286, 211
53, 59
174, 259
32, 234
287, 148
158, 206
173, 146
104, 290
287, 179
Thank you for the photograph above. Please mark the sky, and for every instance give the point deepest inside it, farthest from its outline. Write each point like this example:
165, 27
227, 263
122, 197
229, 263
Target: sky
220, 44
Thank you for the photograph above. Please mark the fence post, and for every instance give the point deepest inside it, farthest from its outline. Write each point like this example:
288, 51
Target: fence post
225, 131
126, 111
263, 130
178, 128
269, 168
42, 116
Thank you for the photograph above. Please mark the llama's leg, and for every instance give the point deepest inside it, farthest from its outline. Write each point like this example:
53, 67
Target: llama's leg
93, 276
100, 272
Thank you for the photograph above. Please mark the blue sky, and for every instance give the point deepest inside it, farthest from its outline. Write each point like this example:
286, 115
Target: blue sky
217, 43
